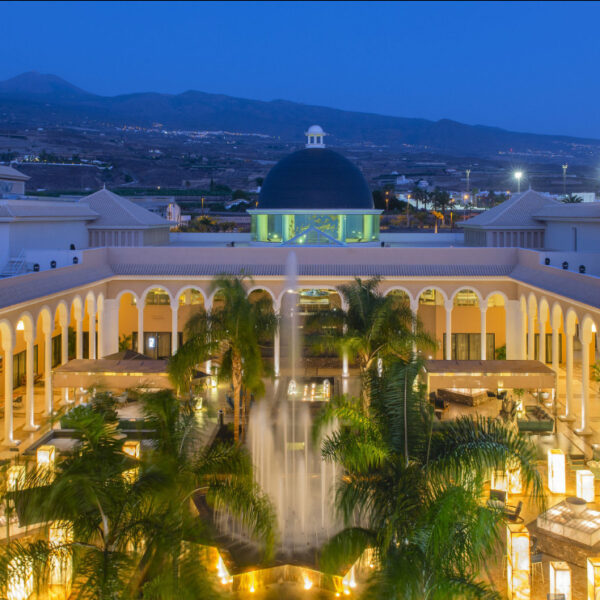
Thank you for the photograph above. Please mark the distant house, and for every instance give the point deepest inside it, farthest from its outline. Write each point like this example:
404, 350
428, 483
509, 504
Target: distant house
12, 182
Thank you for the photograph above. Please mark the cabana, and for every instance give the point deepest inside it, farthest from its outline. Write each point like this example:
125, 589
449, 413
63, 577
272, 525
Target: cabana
469, 381
115, 372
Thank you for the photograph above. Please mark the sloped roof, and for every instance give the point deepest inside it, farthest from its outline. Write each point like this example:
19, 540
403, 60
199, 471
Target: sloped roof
117, 212
25, 209
10, 173
516, 212
562, 210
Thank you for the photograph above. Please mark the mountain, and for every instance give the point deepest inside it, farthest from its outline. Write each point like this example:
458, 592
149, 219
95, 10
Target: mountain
34, 99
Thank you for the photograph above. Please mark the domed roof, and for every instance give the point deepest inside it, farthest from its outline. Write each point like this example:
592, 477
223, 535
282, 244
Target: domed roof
315, 178
315, 129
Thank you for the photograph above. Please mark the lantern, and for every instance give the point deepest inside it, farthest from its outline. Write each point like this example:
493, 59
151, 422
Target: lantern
15, 478
593, 577
46, 457
585, 485
59, 536
560, 579
517, 572
556, 471
132, 447
20, 579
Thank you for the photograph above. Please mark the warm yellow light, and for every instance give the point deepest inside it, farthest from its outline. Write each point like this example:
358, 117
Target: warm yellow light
556, 471
252, 590
515, 482
499, 481
517, 571
46, 456
20, 326
593, 577
560, 579
20, 579
585, 485
61, 565
132, 448
307, 583
15, 478
593, 327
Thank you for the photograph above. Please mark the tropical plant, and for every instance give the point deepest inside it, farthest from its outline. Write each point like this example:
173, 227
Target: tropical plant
413, 487
572, 199
135, 524
420, 196
372, 327
231, 332
440, 199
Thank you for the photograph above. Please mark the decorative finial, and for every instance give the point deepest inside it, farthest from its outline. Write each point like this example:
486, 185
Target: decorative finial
314, 137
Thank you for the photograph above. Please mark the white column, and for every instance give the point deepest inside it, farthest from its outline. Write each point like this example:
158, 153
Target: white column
174, 328
140, 327
48, 370
568, 416
64, 343
542, 339
92, 335
100, 334
64, 354
276, 353
585, 338
345, 371
108, 328
531, 336
483, 310
8, 395
414, 307
78, 337
29, 375
555, 347
513, 330
449, 306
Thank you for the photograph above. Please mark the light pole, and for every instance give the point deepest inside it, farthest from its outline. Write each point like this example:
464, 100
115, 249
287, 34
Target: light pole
518, 176
387, 200
564, 168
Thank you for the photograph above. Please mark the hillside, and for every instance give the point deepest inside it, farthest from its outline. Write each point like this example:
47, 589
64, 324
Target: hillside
33, 99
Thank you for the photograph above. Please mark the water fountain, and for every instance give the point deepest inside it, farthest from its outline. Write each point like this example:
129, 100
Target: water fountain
288, 466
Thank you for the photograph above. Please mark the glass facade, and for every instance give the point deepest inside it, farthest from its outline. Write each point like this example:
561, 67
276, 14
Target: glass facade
315, 229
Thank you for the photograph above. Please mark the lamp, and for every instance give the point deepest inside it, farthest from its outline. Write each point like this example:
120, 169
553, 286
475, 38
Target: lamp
560, 579
46, 457
556, 471
585, 485
593, 577
517, 571
15, 478
132, 448
20, 579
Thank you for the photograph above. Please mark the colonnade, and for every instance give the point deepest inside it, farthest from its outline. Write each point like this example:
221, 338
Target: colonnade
523, 316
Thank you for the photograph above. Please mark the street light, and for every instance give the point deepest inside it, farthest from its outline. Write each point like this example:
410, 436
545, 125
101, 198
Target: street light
518, 175
387, 200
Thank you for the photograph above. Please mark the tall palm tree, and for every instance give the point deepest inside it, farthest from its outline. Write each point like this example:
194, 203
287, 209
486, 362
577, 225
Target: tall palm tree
572, 199
372, 327
233, 332
133, 521
413, 486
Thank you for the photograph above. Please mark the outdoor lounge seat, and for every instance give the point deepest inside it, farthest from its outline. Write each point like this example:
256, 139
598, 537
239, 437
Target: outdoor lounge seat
513, 513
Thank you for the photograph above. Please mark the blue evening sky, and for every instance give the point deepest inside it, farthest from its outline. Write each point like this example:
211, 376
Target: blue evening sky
526, 66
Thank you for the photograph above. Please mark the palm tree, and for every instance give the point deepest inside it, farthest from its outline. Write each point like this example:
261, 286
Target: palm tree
133, 521
187, 478
412, 489
373, 327
572, 199
233, 332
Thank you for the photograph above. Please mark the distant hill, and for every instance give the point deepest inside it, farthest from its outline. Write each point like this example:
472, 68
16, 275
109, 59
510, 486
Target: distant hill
34, 99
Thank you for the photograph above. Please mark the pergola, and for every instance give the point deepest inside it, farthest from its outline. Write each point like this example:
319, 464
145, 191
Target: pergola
474, 377
120, 371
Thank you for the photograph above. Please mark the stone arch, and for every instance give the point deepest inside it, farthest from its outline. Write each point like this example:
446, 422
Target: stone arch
264, 288
150, 288
195, 288
127, 291
504, 297
29, 323
7, 335
466, 289
331, 288
62, 312
434, 288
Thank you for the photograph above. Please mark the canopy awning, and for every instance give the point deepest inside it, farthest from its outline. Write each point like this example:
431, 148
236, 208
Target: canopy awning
120, 371
488, 374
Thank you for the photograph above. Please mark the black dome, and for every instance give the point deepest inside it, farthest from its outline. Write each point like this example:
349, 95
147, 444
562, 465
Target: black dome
315, 178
